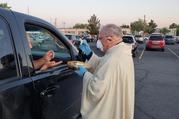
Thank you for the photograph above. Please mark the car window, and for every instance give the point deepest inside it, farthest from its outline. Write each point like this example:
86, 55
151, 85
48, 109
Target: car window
157, 37
43, 40
168, 36
7, 58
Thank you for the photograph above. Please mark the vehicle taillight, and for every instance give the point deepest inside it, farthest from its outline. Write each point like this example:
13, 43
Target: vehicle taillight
150, 42
162, 43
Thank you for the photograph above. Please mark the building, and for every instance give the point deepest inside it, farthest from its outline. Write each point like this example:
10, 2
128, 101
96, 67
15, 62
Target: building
73, 31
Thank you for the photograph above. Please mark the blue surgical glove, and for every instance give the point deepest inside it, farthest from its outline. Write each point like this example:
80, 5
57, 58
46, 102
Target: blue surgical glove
81, 71
85, 48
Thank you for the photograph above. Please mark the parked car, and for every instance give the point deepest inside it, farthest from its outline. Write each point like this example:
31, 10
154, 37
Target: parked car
90, 38
177, 39
99, 45
169, 39
139, 38
146, 37
74, 39
131, 40
155, 41
26, 93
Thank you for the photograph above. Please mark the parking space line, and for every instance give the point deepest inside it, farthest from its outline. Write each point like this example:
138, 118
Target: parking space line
141, 55
173, 52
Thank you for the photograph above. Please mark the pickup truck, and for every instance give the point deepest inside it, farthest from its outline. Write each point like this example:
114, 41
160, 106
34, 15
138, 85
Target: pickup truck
27, 93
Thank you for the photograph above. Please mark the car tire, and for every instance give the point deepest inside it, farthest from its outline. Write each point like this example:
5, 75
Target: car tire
163, 50
147, 49
133, 55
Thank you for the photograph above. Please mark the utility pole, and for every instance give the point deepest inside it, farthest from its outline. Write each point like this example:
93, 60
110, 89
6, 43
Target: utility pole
55, 22
144, 23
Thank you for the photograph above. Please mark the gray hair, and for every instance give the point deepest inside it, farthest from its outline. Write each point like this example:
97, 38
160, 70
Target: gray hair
111, 30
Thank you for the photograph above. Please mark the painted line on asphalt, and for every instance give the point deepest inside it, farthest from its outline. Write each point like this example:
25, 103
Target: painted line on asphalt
141, 55
173, 52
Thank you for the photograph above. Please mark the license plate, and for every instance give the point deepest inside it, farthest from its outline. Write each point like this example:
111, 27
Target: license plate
155, 46
155, 42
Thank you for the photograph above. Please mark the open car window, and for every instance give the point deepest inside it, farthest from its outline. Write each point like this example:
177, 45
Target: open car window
42, 40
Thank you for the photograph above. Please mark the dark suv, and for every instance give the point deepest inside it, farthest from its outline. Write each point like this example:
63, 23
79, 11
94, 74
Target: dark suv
26, 93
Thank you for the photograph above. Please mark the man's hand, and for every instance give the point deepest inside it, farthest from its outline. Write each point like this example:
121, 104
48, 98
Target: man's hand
50, 64
49, 55
81, 71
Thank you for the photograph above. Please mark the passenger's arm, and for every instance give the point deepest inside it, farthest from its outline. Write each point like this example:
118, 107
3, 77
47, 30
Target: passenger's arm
45, 59
50, 64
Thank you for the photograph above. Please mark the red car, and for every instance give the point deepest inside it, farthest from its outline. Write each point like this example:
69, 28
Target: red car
155, 41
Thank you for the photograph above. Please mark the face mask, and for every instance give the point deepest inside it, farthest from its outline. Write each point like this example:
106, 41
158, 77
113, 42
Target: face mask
100, 45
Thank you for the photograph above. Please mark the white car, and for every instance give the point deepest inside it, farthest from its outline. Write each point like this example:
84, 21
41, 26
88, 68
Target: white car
129, 39
99, 45
139, 38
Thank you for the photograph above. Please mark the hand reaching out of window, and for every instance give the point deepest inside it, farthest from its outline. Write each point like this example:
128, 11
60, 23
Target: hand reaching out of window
50, 64
46, 61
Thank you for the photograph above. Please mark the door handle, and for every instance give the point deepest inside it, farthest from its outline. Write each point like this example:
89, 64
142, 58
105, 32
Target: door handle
49, 91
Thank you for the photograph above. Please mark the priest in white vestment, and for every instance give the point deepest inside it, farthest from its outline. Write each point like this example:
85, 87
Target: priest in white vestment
108, 87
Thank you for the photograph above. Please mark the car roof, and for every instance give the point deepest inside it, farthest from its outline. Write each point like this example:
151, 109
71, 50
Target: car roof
156, 34
128, 36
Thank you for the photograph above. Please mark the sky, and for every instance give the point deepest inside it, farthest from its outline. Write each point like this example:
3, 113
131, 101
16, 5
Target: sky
69, 12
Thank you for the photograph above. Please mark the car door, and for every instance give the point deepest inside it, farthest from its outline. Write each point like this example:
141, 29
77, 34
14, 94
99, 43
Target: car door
58, 89
14, 83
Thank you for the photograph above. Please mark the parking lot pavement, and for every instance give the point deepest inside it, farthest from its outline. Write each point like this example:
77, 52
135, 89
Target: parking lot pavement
157, 83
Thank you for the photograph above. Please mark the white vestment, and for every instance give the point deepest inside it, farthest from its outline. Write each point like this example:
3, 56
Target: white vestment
108, 88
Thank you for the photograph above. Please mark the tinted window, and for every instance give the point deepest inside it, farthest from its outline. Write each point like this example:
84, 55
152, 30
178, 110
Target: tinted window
7, 58
168, 36
127, 39
157, 37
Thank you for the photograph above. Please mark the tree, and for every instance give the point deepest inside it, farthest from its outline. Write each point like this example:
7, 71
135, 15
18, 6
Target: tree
173, 25
93, 25
177, 33
138, 25
164, 30
4, 5
151, 27
80, 26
